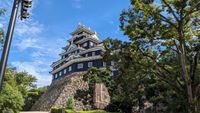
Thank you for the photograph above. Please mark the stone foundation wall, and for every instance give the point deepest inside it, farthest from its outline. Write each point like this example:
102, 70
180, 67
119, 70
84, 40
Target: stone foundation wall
60, 91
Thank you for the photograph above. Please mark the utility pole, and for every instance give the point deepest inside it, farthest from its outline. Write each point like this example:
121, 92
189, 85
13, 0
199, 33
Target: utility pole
25, 4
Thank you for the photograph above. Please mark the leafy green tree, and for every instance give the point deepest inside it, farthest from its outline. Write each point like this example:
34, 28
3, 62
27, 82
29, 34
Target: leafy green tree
166, 34
2, 12
95, 75
11, 98
32, 96
25, 82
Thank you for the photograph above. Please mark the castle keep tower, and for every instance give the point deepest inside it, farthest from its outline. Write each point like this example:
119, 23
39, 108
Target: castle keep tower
83, 51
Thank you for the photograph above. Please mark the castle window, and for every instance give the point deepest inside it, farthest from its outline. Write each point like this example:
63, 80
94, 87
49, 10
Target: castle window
70, 68
65, 71
112, 73
86, 55
93, 53
91, 44
60, 73
56, 75
90, 64
112, 63
80, 65
85, 44
104, 64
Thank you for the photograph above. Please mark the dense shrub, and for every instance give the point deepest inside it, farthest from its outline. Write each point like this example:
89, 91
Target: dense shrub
57, 109
70, 103
124, 107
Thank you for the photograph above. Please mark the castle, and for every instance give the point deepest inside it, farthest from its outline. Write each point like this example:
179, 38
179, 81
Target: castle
83, 51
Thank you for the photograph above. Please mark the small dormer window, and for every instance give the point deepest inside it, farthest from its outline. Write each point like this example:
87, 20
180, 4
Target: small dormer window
85, 44
91, 44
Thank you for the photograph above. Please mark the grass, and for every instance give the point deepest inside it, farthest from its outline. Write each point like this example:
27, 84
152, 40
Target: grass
92, 111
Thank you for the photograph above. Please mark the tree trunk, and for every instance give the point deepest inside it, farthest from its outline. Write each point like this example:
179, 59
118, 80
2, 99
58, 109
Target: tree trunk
185, 75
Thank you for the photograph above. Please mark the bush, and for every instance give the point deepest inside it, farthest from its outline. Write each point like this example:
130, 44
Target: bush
57, 109
124, 106
70, 103
69, 111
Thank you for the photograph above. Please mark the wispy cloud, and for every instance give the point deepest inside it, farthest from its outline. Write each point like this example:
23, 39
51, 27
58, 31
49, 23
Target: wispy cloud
30, 35
28, 28
77, 4
35, 68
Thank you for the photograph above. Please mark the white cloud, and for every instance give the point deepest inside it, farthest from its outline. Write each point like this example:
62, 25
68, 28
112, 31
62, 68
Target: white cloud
35, 68
29, 34
1, 25
77, 4
27, 43
28, 28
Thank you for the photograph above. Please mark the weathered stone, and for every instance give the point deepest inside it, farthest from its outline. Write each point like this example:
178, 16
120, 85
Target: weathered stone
60, 91
101, 96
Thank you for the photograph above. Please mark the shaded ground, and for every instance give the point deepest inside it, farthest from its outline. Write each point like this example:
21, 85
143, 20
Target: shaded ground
34, 112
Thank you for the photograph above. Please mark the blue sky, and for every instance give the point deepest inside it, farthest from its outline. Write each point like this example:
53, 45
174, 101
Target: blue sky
38, 40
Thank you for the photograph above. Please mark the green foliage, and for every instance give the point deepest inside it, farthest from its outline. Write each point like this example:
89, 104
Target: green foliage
57, 110
16, 94
95, 75
94, 111
32, 96
85, 96
2, 12
70, 103
10, 97
165, 42
25, 82
69, 111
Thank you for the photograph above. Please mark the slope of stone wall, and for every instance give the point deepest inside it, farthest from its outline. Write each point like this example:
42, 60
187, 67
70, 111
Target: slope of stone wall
60, 91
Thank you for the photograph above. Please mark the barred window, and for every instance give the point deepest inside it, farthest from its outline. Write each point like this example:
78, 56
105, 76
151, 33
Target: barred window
70, 68
65, 71
104, 64
90, 64
60, 73
80, 65
93, 53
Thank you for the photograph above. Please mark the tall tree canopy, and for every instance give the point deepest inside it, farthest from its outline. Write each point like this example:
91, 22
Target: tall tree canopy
167, 34
2, 12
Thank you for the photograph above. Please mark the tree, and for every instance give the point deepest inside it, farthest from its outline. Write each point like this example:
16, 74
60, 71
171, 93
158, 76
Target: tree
94, 75
2, 12
25, 82
163, 31
11, 98
32, 96
134, 83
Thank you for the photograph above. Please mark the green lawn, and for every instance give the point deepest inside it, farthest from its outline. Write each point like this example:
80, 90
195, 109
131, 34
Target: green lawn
92, 111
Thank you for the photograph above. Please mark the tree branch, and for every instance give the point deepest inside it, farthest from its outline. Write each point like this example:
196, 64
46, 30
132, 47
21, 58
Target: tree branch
171, 10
